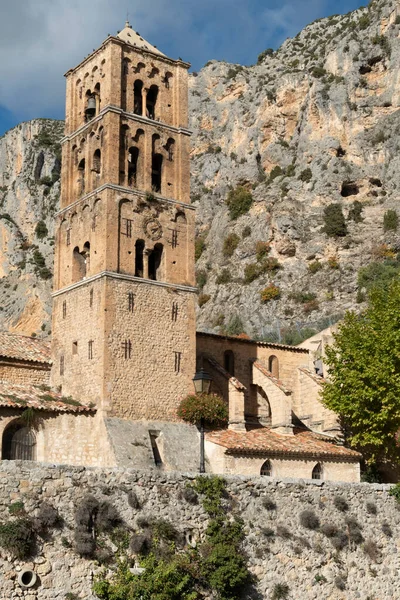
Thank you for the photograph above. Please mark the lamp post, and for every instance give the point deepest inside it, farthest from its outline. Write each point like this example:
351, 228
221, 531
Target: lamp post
202, 385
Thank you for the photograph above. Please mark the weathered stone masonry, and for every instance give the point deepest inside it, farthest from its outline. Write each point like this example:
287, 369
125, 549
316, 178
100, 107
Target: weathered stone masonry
304, 559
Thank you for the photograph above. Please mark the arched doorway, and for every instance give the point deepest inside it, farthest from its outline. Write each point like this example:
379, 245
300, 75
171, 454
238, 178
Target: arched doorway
19, 443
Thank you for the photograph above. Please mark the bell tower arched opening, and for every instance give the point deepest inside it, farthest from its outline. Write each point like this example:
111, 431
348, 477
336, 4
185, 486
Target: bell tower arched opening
138, 97
151, 102
155, 258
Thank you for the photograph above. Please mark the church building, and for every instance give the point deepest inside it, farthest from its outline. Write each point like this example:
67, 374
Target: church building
124, 348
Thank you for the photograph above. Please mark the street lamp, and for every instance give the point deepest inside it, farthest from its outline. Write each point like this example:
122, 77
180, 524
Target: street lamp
202, 385
202, 382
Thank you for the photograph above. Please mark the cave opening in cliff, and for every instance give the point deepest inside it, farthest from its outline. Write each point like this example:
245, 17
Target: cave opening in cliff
340, 152
376, 182
349, 188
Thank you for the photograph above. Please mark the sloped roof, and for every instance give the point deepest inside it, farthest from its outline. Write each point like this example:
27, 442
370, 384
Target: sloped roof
235, 382
233, 338
39, 398
319, 380
264, 441
130, 36
21, 347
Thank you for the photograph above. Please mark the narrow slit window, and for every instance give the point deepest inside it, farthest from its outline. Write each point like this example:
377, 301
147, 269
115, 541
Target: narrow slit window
62, 365
131, 302
175, 311
90, 349
174, 238
74, 348
127, 347
127, 225
91, 299
64, 309
68, 237
178, 361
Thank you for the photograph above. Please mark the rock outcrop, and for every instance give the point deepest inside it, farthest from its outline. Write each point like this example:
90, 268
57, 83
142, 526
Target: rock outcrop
314, 124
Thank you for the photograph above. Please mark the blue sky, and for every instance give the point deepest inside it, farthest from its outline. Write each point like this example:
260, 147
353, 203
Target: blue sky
41, 39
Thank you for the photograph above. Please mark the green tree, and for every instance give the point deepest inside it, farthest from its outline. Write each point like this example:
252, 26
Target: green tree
365, 375
390, 220
239, 202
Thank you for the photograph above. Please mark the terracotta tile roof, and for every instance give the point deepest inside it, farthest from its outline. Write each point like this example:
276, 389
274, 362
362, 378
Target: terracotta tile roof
24, 348
313, 376
224, 373
263, 440
258, 365
254, 342
37, 397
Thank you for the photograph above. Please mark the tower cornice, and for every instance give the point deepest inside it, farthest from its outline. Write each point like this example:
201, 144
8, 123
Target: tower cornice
131, 117
116, 40
126, 191
129, 278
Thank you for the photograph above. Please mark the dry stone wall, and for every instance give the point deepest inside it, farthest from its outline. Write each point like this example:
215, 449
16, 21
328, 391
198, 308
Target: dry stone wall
279, 548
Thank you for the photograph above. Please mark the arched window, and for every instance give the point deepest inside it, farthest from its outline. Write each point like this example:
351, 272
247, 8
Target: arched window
97, 162
273, 366
229, 362
180, 218
81, 177
155, 258
139, 250
266, 469
138, 97
19, 443
78, 265
170, 147
156, 172
317, 472
167, 79
151, 102
133, 158
90, 110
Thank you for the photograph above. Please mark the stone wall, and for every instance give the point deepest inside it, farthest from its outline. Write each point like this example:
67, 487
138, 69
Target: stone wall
14, 371
291, 554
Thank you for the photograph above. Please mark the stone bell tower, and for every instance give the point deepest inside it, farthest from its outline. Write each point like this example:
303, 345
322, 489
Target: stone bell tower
124, 295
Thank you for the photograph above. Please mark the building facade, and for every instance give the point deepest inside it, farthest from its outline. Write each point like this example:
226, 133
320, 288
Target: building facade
124, 349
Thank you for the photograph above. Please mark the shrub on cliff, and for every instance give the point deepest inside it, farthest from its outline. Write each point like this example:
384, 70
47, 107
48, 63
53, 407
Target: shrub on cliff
390, 221
239, 202
271, 292
17, 536
210, 407
334, 222
231, 242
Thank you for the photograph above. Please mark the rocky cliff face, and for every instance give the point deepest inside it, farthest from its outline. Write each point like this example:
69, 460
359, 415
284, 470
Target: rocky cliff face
315, 124
29, 195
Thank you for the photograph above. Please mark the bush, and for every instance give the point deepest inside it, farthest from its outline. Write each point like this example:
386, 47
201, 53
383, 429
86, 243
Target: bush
271, 292
364, 22
354, 531
378, 274
263, 55
201, 278
203, 299
199, 246
235, 326
224, 277
355, 212
390, 221
254, 270
251, 272
371, 508
47, 518
141, 543
239, 202
262, 250
333, 262
268, 503
302, 297
41, 230
329, 530
335, 224
386, 529
371, 550
340, 583
246, 232
340, 540
17, 509
277, 171
210, 407
17, 537
306, 175
133, 500
340, 503
315, 266
280, 591
309, 519
231, 242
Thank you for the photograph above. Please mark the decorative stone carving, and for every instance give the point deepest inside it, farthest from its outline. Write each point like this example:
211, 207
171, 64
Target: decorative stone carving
152, 228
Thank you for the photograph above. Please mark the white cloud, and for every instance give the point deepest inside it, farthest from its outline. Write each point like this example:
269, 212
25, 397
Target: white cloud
42, 39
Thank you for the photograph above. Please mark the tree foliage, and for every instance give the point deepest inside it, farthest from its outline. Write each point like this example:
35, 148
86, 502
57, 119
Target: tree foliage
365, 375
239, 202
335, 224
209, 407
